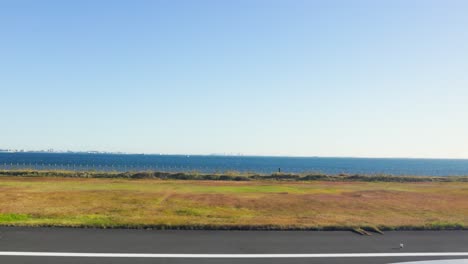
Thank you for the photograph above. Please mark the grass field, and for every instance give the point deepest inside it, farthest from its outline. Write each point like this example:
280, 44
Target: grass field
44, 201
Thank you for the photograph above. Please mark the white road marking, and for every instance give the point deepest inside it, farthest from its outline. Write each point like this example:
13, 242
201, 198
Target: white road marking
450, 261
149, 255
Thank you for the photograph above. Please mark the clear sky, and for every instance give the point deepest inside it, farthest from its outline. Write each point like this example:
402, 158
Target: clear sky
299, 78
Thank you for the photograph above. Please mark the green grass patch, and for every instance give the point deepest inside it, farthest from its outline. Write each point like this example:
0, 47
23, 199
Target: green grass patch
11, 218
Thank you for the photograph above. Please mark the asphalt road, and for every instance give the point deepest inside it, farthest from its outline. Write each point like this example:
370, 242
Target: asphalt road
223, 242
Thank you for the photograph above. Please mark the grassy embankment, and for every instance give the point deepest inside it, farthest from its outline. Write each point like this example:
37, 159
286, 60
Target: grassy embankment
332, 202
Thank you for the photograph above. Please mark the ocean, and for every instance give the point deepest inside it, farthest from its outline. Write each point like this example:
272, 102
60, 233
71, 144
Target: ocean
210, 164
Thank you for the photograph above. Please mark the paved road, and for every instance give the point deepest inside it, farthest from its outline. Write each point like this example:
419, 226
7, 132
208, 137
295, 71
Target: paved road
222, 242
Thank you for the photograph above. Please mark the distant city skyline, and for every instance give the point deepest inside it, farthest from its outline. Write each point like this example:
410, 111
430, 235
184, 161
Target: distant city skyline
271, 78
58, 151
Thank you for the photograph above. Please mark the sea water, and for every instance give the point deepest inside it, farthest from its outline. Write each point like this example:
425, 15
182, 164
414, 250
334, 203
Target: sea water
213, 163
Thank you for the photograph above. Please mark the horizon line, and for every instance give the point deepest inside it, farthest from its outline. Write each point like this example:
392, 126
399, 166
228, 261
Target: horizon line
98, 152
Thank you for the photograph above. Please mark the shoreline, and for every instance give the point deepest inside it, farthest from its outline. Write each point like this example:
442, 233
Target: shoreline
230, 176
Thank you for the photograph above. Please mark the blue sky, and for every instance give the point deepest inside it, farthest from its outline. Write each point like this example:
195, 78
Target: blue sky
296, 78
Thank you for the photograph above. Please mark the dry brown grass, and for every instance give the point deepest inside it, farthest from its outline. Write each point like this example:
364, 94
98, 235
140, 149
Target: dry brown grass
221, 204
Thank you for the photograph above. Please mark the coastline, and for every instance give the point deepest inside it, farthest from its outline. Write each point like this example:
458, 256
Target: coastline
229, 176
